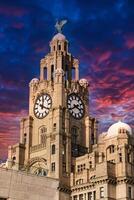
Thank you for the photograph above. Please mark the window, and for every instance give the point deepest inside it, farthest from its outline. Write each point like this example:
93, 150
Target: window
79, 181
129, 157
53, 149
14, 158
25, 138
101, 192
53, 167
59, 47
75, 197
45, 73
111, 149
54, 127
129, 193
81, 197
90, 165
74, 132
81, 167
120, 157
43, 139
52, 72
43, 129
42, 136
94, 195
89, 195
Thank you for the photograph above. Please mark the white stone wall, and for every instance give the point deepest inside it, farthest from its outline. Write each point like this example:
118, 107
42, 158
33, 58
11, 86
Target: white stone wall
20, 186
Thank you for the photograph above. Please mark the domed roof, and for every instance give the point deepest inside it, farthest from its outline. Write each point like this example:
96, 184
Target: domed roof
115, 128
34, 80
59, 36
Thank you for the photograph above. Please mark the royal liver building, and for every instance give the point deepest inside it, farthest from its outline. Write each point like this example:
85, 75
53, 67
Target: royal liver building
60, 156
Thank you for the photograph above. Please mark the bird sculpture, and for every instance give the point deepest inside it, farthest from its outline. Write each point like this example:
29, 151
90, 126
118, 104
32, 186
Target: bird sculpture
59, 25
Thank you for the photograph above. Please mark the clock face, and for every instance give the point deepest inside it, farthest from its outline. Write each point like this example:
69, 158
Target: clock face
75, 106
42, 106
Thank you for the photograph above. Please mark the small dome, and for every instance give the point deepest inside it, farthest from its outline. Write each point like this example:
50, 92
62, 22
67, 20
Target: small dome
115, 129
83, 82
34, 80
59, 36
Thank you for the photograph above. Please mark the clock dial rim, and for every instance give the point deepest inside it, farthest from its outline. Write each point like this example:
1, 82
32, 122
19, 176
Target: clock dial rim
46, 113
74, 116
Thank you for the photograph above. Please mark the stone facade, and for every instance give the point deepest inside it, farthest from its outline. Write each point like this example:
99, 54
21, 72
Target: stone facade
60, 156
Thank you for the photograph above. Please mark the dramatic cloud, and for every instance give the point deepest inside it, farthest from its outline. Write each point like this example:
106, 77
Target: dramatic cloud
100, 35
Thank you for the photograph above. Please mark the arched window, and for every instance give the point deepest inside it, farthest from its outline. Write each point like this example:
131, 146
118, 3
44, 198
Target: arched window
43, 139
43, 129
53, 149
25, 138
111, 149
90, 164
52, 72
59, 47
54, 127
120, 157
45, 73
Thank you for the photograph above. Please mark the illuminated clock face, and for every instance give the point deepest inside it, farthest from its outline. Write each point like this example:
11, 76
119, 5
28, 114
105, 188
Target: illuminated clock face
42, 106
75, 106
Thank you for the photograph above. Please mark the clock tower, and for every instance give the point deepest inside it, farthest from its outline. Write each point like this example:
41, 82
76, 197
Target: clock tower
58, 128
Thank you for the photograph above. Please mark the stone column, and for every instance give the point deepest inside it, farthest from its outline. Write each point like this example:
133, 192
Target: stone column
87, 126
76, 66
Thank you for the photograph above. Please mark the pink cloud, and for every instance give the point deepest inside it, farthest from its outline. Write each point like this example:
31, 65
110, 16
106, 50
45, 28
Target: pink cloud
129, 42
12, 11
10, 134
104, 56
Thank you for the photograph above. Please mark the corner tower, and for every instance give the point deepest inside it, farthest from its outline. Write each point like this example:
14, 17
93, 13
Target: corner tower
58, 127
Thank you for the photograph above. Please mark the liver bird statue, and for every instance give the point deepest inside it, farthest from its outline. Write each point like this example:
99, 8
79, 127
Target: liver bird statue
59, 25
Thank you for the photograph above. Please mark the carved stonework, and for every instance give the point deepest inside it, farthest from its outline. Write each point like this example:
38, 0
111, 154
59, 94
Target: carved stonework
53, 137
59, 72
84, 83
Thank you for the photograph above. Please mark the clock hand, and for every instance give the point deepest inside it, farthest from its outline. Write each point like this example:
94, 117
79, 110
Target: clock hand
42, 106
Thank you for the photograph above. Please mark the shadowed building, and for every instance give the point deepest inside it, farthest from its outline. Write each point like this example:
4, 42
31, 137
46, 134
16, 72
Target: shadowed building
59, 147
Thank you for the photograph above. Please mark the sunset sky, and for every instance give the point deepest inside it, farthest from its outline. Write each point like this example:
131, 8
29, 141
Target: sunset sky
101, 36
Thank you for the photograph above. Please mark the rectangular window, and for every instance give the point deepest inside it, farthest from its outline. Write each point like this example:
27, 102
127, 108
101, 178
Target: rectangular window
75, 197
53, 167
120, 157
101, 192
129, 158
90, 165
129, 193
89, 195
94, 195
81, 197
111, 149
54, 127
